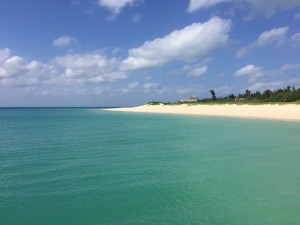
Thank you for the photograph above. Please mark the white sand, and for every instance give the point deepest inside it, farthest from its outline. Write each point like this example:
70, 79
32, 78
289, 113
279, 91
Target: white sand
278, 112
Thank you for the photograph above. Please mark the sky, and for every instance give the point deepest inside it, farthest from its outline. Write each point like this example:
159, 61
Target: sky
129, 52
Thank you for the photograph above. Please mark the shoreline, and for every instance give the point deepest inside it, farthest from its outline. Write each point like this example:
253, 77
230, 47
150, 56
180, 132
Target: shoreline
287, 112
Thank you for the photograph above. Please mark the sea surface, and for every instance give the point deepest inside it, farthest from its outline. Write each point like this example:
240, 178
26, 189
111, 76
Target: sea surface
81, 166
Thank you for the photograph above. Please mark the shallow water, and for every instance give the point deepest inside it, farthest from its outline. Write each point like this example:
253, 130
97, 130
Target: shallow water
89, 166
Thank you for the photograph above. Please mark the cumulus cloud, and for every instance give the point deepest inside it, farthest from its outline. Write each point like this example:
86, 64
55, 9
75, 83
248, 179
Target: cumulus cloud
63, 71
69, 75
10, 65
188, 44
115, 6
254, 73
199, 4
251, 71
63, 41
275, 37
18, 72
91, 67
198, 71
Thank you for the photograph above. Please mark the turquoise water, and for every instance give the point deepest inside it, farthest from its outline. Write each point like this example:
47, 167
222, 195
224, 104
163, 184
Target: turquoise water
90, 167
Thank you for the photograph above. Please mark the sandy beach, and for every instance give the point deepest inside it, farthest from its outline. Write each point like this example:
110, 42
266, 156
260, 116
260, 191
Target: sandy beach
275, 112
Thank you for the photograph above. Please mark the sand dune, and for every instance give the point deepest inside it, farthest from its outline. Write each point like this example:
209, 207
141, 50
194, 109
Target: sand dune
278, 112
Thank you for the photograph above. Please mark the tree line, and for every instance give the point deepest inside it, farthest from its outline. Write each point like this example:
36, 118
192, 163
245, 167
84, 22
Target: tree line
288, 94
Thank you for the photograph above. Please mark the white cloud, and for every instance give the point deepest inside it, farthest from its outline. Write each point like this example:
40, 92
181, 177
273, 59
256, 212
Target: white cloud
63, 41
189, 44
254, 73
115, 6
251, 71
199, 4
91, 67
16, 71
11, 66
34, 65
275, 37
68, 70
296, 39
198, 71
261, 86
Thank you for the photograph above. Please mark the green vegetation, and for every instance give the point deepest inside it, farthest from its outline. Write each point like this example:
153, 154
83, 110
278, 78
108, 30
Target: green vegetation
213, 95
280, 96
154, 103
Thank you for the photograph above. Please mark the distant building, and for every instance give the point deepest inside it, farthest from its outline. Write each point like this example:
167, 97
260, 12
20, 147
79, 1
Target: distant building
239, 99
190, 99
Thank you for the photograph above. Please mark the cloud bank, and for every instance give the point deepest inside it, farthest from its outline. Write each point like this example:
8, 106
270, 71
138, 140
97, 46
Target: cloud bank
61, 71
189, 44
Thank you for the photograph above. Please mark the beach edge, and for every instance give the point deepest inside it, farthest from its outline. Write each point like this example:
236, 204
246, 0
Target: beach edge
287, 112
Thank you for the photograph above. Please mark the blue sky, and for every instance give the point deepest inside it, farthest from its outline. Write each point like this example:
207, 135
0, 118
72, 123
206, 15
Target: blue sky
129, 52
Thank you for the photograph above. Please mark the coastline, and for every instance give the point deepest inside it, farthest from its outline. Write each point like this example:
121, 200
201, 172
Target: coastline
288, 112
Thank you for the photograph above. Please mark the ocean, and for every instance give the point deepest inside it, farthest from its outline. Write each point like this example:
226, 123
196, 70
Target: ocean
87, 166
